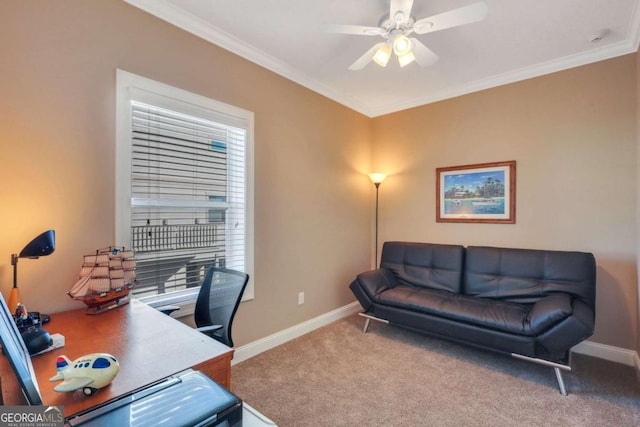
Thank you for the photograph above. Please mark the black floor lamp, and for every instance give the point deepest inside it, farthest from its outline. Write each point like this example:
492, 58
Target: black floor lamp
377, 179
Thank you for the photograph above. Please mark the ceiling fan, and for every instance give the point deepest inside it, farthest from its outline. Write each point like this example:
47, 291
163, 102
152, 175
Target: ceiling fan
396, 27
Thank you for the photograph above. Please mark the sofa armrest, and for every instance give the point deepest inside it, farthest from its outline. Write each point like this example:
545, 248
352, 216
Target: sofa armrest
376, 281
578, 326
367, 286
548, 311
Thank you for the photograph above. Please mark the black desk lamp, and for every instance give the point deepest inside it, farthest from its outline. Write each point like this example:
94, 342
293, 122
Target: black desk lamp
42, 245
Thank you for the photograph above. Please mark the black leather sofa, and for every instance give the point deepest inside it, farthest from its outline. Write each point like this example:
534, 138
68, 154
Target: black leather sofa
531, 304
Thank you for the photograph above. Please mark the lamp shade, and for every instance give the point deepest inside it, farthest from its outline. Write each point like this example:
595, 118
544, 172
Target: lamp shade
42, 245
406, 59
401, 45
382, 55
377, 177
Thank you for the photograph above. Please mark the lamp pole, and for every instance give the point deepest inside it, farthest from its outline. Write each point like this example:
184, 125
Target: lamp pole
377, 184
14, 296
377, 179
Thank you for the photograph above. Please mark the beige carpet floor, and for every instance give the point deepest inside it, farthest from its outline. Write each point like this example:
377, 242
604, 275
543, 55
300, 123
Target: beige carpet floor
338, 376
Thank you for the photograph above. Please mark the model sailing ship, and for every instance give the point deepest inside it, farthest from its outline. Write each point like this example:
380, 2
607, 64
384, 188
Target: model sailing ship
106, 277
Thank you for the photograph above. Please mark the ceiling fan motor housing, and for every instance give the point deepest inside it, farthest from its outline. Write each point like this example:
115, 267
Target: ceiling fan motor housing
390, 26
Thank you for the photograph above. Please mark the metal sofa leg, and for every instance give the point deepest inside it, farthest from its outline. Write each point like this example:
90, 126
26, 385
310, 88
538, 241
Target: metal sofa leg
556, 367
369, 318
366, 325
563, 390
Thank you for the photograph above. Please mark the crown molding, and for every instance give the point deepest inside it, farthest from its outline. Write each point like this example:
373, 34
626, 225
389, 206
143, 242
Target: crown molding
198, 27
606, 52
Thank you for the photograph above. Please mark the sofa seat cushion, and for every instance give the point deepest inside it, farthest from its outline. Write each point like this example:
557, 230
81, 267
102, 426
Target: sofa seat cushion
494, 314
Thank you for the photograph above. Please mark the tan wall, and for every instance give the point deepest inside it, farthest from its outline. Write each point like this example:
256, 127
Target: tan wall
573, 135
57, 120
573, 132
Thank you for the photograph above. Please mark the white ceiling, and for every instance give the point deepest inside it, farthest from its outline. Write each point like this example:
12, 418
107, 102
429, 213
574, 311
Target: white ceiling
519, 39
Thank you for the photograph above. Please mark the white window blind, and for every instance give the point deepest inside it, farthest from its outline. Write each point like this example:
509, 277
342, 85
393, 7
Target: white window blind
188, 192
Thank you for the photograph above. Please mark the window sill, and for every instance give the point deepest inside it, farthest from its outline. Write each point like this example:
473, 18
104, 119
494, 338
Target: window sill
185, 299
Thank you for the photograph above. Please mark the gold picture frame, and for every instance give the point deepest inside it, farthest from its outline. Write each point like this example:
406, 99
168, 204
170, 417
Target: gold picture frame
480, 193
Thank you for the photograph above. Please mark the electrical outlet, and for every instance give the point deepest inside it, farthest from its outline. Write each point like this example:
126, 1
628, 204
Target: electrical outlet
300, 298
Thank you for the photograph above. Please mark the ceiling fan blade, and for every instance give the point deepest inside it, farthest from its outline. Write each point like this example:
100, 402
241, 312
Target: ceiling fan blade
424, 55
359, 30
361, 62
403, 6
465, 15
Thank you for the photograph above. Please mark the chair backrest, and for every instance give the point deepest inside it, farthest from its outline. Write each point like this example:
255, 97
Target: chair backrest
218, 301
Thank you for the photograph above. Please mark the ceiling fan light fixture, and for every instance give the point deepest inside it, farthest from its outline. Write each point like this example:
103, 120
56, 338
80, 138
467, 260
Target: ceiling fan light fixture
396, 27
401, 45
406, 59
382, 55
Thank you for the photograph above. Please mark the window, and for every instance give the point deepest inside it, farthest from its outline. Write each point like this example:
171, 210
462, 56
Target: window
184, 186
218, 215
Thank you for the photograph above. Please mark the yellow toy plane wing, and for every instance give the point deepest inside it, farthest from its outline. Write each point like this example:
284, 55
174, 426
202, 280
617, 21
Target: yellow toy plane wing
73, 384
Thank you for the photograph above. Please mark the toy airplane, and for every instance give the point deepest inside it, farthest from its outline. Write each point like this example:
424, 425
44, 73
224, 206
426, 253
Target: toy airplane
89, 372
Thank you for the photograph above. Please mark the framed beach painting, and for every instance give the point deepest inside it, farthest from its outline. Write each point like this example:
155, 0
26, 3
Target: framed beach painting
484, 193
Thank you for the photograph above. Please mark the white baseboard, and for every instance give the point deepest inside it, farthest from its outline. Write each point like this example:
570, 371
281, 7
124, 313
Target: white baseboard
247, 351
254, 348
609, 352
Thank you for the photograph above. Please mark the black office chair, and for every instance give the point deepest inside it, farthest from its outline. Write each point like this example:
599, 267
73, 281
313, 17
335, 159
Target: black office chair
217, 303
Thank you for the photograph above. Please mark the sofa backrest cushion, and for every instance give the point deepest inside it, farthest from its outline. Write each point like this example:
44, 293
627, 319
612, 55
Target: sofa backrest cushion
527, 275
424, 264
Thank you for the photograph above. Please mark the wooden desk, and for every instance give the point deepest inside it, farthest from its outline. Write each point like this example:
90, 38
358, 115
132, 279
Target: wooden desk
149, 346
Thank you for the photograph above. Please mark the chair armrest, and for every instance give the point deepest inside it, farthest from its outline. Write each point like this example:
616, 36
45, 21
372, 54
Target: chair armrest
205, 329
167, 309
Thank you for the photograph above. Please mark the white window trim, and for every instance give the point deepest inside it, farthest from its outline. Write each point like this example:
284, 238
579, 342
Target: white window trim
131, 86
